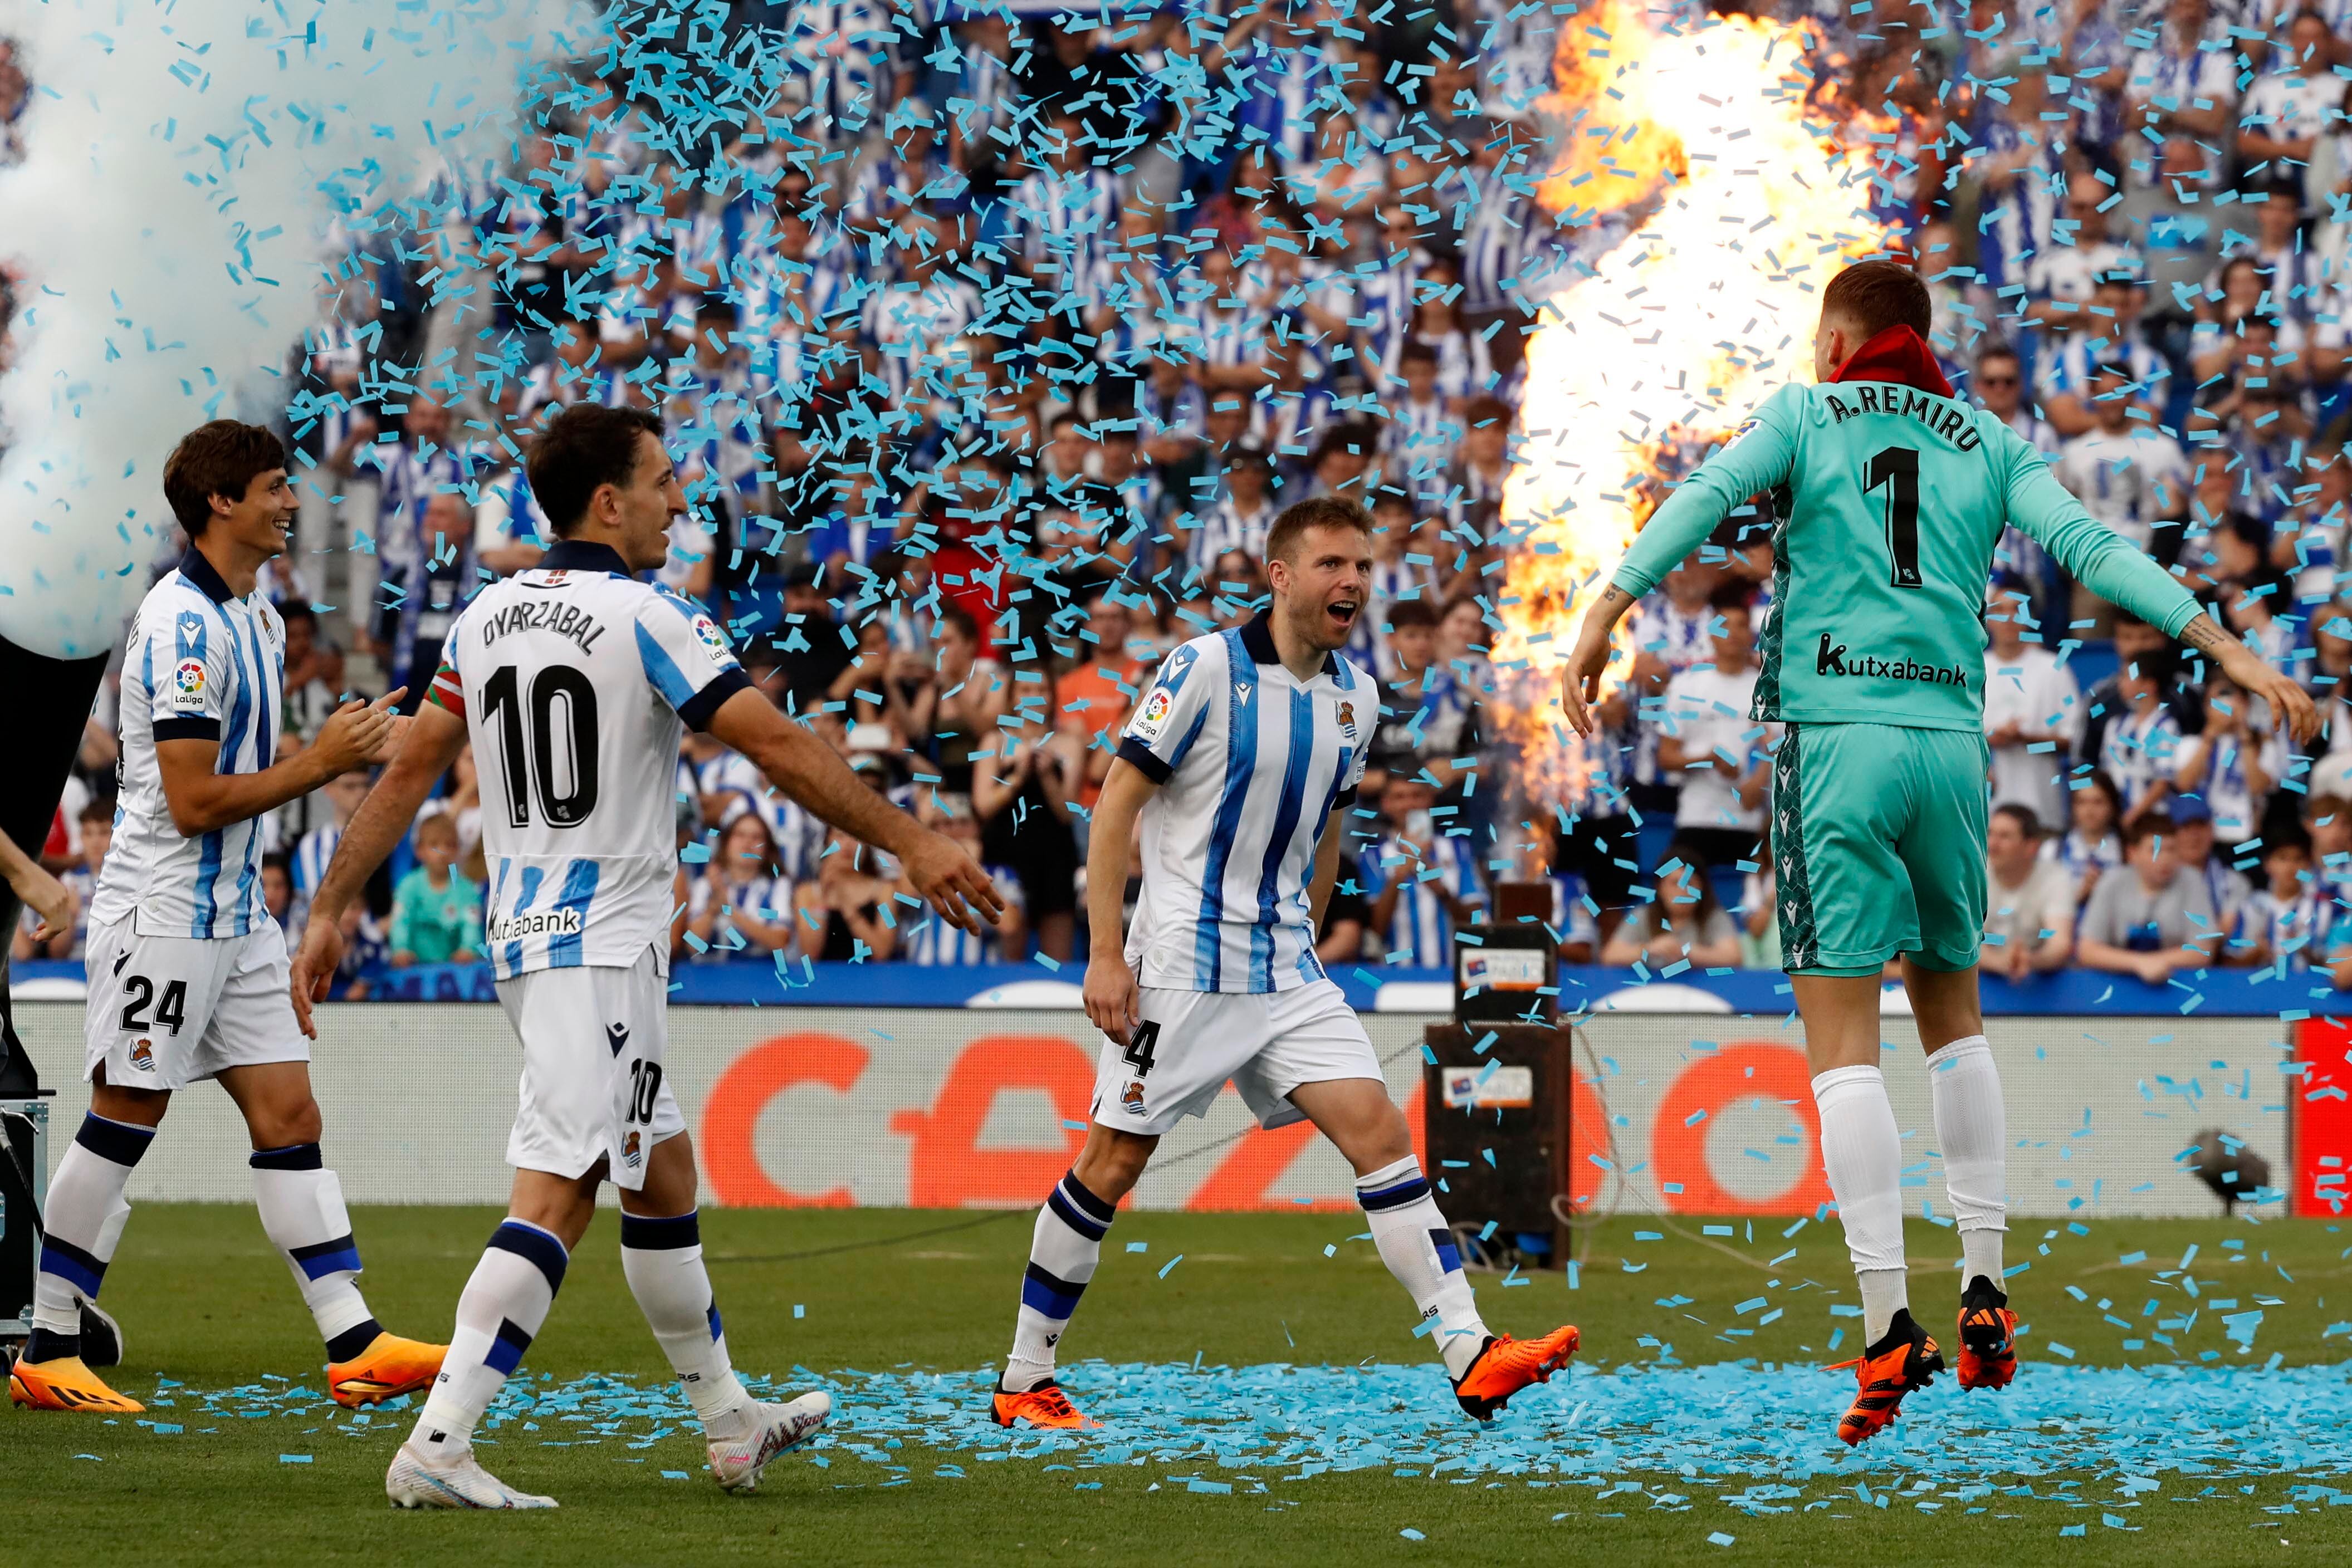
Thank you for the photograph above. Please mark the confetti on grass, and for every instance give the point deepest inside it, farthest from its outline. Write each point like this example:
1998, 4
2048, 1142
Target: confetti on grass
1724, 1427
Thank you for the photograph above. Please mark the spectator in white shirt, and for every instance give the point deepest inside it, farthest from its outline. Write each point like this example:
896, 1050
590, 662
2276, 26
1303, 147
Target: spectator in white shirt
2032, 712
1723, 756
2128, 474
2029, 915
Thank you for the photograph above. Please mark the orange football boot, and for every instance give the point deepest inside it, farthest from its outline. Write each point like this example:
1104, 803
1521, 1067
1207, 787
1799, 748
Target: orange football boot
1987, 1336
1503, 1365
389, 1367
1904, 1360
1044, 1406
65, 1383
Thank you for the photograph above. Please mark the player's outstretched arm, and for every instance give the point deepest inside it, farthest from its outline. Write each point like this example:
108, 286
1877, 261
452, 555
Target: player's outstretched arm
2111, 567
1758, 457
1111, 998
805, 769
434, 740
203, 799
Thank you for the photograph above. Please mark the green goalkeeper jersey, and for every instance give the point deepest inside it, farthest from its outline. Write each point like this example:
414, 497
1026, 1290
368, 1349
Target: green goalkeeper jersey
1890, 502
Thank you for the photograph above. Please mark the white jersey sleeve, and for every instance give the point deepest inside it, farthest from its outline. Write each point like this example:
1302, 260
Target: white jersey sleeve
1167, 723
183, 654
686, 657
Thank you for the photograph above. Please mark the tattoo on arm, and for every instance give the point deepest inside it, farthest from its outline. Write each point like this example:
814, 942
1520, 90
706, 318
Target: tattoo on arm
2203, 635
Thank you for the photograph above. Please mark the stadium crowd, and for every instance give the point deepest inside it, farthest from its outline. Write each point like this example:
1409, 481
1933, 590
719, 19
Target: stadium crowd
989, 349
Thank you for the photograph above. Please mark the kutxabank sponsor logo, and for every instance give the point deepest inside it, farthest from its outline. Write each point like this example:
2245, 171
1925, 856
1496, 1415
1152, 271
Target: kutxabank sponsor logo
1836, 658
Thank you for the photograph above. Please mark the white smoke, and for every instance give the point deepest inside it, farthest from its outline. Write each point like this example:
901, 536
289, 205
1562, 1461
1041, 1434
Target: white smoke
185, 166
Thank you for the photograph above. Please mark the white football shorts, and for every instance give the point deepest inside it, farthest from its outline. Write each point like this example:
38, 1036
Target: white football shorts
592, 1085
164, 1012
1190, 1042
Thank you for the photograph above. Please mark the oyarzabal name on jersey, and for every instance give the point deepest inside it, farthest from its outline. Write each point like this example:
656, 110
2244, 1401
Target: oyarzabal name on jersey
1934, 412
1835, 660
552, 614
535, 923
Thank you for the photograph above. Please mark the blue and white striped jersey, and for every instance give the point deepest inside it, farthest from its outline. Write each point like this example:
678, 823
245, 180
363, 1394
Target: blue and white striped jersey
574, 680
1251, 762
201, 665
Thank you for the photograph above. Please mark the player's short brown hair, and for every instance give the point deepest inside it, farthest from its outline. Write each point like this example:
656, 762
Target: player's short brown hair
1319, 512
1876, 295
583, 449
220, 458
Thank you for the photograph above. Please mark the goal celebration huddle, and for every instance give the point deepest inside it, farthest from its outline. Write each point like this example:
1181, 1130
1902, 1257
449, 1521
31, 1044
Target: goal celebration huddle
1232, 787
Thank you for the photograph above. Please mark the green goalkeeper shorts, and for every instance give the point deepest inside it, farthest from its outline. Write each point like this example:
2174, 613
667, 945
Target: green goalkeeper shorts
1878, 847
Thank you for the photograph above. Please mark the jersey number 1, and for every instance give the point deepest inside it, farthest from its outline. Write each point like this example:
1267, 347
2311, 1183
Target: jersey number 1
1897, 468
566, 780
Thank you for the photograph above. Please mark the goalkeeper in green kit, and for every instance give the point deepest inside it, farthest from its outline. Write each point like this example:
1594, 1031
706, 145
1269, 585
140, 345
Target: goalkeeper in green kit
1891, 495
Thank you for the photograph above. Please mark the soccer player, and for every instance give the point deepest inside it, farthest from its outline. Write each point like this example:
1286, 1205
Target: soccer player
1241, 765
187, 970
573, 680
1892, 494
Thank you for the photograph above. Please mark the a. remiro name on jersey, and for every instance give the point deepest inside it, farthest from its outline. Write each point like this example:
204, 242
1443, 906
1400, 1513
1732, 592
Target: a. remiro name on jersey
576, 680
1891, 501
201, 665
1251, 762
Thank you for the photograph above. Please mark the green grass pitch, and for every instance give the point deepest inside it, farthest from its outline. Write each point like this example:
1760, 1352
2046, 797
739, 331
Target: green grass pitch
207, 1305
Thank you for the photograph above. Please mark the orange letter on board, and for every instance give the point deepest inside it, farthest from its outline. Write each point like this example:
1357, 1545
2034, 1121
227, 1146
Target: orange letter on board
744, 1090
1678, 1146
945, 1169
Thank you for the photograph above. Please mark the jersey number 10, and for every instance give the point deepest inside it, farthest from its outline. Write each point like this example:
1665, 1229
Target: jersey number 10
1897, 468
563, 765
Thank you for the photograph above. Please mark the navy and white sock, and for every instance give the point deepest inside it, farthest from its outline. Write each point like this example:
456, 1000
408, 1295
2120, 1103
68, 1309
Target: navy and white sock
85, 1217
662, 1260
504, 1304
1062, 1252
301, 1206
1417, 1245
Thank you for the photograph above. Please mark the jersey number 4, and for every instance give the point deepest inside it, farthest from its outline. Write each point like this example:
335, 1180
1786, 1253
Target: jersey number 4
1137, 1054
562, 767
1897, 468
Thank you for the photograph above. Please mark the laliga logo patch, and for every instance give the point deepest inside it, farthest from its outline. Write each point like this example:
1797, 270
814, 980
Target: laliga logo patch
142, 1056
188, 685
714, 642
1131, 1098
1154, 716
1741, 433
632, 1150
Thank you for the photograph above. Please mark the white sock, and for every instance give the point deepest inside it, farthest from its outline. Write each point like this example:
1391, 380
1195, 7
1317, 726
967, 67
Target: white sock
504, 1304
1862, 1153
86, 1213
301, 1206
1064, 1249
662, 1260
1418, 1248
1972, 1128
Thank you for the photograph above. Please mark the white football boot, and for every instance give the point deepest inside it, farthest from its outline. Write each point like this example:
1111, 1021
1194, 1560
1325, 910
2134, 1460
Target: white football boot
413, 1483
777, 1430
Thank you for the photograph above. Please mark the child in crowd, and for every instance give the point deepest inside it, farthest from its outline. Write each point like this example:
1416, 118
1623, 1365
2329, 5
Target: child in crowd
2090, 845
742, 902
437, 914
931, 941
2280, 923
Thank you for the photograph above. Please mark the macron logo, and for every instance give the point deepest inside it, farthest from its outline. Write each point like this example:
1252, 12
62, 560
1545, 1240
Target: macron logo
616, 1035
